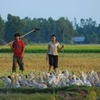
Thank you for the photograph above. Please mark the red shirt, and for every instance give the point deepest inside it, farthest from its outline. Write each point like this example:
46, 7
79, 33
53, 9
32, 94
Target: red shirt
18, 47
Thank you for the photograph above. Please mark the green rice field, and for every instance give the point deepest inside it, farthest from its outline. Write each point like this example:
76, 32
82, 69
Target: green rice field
42, 48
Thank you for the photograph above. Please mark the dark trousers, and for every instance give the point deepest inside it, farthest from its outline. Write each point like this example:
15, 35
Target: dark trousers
18, 60
53, 61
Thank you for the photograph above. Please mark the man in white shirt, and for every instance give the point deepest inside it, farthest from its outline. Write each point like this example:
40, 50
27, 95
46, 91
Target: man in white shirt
52, 52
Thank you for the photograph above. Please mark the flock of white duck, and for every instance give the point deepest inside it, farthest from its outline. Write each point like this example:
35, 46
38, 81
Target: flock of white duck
46, 79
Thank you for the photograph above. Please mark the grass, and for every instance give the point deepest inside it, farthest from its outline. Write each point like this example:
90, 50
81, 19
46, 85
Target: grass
37, 62
74, 62
42, 48
27, 97
75, 92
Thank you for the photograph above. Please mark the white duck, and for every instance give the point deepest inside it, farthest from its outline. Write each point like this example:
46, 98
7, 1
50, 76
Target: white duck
75, 80
6, 80
14, 80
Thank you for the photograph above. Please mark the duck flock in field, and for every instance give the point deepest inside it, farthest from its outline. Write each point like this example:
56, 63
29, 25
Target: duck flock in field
57, 79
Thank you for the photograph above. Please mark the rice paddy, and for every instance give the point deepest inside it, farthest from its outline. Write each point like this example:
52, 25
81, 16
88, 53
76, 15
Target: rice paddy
35, 61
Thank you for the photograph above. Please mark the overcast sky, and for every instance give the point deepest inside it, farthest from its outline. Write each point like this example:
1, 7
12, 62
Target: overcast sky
51, 8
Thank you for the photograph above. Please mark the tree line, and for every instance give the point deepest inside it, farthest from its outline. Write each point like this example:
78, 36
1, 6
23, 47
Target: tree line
85, 28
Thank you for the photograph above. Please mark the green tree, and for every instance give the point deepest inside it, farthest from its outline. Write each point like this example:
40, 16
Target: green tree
14, 24
87, 28
68, 32
94, 39
27, 27
2, 26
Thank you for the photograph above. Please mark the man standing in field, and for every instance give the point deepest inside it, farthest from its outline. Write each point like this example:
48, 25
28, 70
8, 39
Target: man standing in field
18, 48
52, 53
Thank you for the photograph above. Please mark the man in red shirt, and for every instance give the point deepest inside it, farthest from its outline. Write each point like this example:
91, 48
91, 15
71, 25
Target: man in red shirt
18, 48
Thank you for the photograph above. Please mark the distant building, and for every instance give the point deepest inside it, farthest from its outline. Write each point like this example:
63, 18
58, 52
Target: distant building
78, 40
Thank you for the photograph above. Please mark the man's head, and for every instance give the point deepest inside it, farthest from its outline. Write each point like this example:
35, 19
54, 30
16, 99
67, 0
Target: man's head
17, 36
53, 38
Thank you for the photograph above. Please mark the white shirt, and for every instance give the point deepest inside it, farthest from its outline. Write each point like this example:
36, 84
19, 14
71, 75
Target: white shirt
53, 50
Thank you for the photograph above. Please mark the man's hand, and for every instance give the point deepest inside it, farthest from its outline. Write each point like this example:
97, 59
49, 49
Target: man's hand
62, 46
